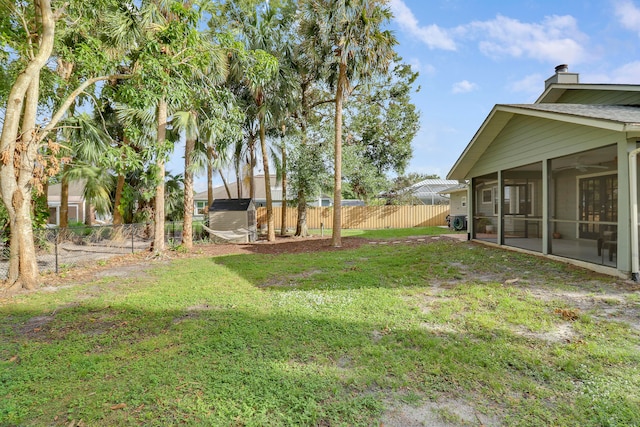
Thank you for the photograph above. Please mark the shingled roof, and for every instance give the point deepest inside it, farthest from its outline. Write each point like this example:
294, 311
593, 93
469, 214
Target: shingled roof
230, 205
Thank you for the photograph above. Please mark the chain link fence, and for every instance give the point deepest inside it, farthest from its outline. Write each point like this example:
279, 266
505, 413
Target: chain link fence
62, 248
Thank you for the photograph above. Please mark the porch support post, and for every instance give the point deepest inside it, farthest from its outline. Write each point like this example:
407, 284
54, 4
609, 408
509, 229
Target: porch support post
471, 210
624, 238
630, 155
546, 205
500, 239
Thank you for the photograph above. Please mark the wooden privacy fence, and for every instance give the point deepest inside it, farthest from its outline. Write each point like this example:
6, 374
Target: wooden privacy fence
364, 217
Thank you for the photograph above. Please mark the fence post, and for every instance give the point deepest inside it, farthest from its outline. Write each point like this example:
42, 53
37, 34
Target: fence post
132, 231
57, 233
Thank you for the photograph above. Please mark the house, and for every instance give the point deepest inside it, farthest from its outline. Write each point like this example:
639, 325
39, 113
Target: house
78, 206
457, 195
233, 220
430, 191
559, 177
220, 192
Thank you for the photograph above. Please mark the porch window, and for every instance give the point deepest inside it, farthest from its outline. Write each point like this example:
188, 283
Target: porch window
522, 207
584, 206
485, 207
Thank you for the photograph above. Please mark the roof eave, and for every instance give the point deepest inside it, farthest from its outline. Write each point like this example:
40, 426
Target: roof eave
555, 90
488, 131
490, 128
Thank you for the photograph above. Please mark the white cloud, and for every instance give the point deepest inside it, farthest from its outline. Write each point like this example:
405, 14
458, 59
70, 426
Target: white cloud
464, 86
556, 39
417, 65
626, 74
531, 84
628, 14
431, 35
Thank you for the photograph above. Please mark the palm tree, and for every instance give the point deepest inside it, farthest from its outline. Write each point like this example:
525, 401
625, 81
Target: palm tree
348, 35
86, 142
174, 200
187, 123
258, 29
97, 188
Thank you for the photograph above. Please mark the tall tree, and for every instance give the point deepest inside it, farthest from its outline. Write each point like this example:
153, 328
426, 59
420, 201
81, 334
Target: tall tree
258, 30
32, 28
348, 36
173, 54
187, 122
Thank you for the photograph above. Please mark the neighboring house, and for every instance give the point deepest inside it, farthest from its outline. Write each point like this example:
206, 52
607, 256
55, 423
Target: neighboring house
458, 208
78, 207
200, 199
430, 191
559, 176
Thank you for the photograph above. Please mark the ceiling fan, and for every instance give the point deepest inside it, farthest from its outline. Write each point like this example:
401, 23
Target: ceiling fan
581, 166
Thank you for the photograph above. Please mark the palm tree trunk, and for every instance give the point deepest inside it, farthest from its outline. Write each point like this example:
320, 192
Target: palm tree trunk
64, 198
89, 214
225, 183
210, 156
187, 222
283, 217
252, 165
158, 212
238, 183
117, 212
336, 239
271, 226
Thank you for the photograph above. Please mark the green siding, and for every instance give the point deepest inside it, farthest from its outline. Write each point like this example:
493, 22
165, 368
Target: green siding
527, 140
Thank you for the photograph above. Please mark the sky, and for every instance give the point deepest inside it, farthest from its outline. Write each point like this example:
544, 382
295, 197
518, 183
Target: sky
473, 54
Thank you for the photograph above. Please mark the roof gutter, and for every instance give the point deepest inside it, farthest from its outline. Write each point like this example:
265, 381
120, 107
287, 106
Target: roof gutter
633, 199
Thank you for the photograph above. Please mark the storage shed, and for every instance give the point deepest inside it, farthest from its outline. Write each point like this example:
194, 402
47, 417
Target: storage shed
233, 220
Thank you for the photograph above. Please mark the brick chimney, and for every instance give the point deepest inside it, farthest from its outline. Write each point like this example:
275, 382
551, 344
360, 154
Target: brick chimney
562, 76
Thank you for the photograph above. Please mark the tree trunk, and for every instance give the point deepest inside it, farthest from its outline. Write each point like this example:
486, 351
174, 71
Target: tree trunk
64, 198
252, 165
158, 212
187, 223
117, 211
301, 225
16, 169
225, 183
336, 238
89, 214
210, 157
283, 217
271, 226
23, 265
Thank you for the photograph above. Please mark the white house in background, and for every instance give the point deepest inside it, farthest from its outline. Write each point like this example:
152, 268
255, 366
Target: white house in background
430, 191
559, 177
78, 207
200, 199
458, 208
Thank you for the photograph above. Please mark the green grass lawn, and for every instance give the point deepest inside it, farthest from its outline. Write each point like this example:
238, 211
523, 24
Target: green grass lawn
329, 338
390, 233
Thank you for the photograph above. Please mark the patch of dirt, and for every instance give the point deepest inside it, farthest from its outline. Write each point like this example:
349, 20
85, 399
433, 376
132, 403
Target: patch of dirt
446, 413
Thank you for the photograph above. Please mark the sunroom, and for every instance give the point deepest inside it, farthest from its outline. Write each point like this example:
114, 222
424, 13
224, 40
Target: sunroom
557, 179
